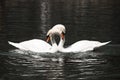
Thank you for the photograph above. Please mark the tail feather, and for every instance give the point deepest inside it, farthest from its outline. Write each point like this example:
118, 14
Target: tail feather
102, 44
17, 45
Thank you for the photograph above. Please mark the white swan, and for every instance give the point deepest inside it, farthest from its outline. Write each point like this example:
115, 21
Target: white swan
37, 45
80, 46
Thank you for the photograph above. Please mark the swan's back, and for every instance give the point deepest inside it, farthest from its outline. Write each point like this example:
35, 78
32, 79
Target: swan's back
35, 45
85, 45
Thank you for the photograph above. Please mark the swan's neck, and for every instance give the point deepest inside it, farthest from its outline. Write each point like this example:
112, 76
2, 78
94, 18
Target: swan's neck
61, 44
54, 44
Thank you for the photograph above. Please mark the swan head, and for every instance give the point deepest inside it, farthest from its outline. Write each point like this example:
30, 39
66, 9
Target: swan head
58, 29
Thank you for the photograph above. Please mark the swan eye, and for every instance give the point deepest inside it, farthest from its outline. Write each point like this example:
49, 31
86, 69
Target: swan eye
48, 38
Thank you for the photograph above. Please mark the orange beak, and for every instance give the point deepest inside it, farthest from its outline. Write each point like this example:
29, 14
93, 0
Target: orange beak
63, 36
48, 39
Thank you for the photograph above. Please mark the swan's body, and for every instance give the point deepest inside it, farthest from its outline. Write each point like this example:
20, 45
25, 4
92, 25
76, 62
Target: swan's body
85, 45
37, 45
79, 46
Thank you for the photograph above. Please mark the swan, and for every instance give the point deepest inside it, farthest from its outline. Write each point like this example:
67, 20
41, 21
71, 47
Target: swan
38, 45
79, 46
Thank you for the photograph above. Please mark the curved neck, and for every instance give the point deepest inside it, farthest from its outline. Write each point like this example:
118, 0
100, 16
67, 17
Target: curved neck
53, 42
61, 43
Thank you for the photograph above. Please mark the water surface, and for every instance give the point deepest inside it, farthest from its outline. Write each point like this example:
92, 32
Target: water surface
22, 20
103, 63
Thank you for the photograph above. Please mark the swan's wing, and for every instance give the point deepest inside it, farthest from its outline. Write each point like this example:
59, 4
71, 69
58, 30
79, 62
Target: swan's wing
85, 45
35, 45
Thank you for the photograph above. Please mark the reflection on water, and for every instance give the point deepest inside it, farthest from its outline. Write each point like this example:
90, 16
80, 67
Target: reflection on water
59, 66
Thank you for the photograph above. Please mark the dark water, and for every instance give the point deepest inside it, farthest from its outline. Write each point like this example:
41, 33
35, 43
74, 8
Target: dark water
84, 19
103, 63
